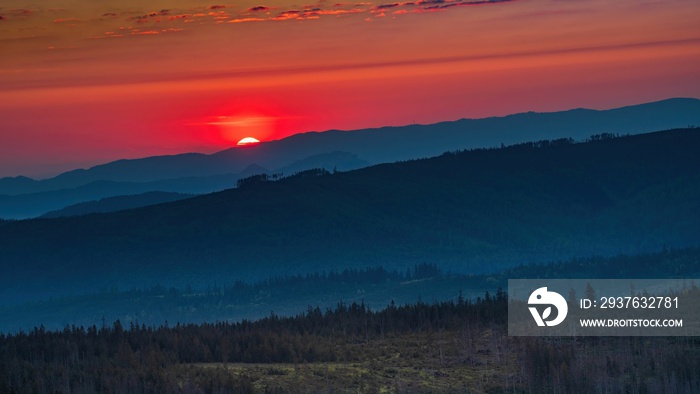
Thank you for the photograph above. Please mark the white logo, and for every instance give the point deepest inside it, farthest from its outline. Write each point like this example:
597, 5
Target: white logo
543, 297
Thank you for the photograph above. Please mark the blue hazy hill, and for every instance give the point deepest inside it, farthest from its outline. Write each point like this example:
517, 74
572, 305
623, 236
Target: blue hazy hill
468, 212
381, 145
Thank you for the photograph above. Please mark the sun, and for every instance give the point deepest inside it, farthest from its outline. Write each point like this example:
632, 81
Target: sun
248, 141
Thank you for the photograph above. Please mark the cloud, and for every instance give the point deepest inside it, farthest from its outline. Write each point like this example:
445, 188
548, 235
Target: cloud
445, 60
343, 66
2, 18
18, 13
313, 13
154, 14
440, 6
144, 33
286, 15
338, 12
220, 16
21, 11
262, 12
135, 32
379, 10
485, 2
110, 34
66, 20
242, 20
428, 6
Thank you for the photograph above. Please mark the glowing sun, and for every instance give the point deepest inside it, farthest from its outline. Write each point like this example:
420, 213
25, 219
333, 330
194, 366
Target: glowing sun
248, 141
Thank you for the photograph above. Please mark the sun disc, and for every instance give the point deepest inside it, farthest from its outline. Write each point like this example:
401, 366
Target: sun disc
248, 141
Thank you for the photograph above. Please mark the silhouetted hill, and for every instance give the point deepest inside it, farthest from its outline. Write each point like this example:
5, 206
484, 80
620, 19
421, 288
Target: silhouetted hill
383, 145
468, 212
391, 144
40, 204
118, 203
35, 204
30, 205
18, 184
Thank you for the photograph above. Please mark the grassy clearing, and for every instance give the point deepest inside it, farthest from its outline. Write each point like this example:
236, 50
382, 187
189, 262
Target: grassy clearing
425, 362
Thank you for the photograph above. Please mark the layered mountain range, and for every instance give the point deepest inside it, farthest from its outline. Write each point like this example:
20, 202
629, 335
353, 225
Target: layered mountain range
22, 197
471, 211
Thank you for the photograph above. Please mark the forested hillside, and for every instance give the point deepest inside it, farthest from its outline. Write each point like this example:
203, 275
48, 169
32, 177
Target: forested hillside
287, 295
458, 346
467, 212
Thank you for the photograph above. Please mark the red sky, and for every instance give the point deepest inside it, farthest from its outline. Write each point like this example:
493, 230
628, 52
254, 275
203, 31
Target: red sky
85, 82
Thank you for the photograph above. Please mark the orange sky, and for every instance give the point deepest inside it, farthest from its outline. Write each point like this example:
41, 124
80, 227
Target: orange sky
84, 82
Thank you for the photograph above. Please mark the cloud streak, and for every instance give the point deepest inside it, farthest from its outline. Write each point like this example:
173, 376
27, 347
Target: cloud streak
243, 20
67, 20
443, 4
430, 6
288, 71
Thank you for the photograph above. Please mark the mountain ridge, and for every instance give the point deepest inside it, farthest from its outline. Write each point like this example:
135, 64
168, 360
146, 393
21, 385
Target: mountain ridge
408, 142
470, 211
36, 204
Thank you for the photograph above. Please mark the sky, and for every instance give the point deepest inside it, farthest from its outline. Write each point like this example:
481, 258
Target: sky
86, 82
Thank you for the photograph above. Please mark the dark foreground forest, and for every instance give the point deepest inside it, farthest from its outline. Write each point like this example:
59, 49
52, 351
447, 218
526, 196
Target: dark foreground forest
454, 346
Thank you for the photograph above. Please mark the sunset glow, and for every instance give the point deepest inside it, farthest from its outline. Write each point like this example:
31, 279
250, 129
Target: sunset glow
101, 81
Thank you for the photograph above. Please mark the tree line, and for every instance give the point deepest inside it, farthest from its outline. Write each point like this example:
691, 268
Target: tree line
170, 359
